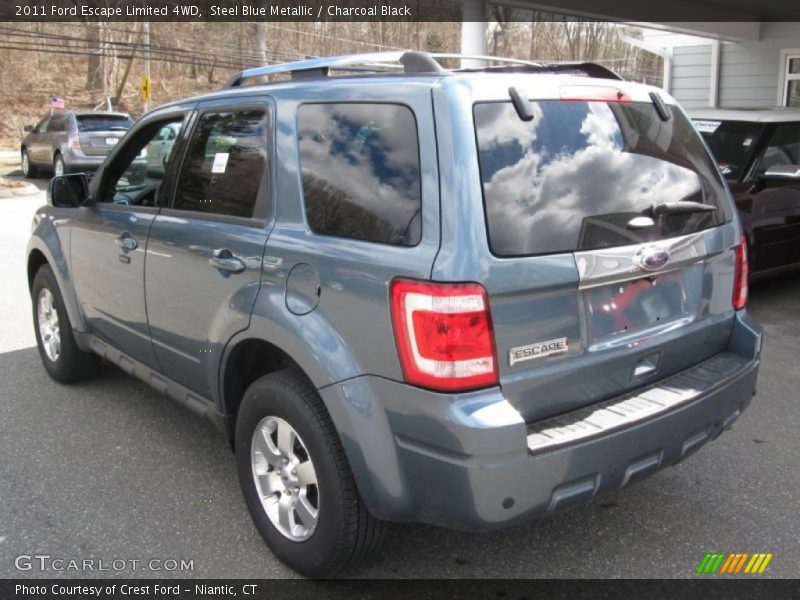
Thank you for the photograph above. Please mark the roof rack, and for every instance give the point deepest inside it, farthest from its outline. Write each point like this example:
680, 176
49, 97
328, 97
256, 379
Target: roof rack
412, 62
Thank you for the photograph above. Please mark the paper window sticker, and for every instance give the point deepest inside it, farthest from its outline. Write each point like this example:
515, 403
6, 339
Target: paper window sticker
707, 126
220, 162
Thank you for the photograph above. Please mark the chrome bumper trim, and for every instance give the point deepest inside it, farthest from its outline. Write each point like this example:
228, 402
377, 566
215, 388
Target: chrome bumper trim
623, 411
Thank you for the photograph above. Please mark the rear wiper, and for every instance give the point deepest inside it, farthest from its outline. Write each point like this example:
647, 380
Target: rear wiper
521, 104
660, 107
682, 206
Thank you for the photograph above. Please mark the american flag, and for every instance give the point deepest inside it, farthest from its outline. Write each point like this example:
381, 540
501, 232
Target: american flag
57, 102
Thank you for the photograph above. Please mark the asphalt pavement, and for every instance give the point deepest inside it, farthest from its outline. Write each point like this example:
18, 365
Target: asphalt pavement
108, 470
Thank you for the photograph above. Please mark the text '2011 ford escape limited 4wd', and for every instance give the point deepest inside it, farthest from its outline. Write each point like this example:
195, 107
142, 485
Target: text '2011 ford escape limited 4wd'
461, 297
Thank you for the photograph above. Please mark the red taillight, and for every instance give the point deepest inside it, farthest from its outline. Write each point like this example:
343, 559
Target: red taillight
444, 334
741, 276
592, 93
74, 142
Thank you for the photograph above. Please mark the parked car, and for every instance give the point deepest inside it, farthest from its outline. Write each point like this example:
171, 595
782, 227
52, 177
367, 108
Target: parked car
465, 298
71, 141
758, 152
160, 148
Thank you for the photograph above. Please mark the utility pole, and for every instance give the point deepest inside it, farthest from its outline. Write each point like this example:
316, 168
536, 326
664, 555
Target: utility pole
147, 62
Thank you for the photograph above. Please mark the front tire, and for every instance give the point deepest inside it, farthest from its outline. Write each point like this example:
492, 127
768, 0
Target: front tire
28, 170
296, 479
63, 360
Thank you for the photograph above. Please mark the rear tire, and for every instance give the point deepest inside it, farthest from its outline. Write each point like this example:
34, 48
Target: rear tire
28, 170
59, 166
62, 358
340, 530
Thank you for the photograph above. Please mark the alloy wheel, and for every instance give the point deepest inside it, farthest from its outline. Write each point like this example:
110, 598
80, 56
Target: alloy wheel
285, 478
49, 329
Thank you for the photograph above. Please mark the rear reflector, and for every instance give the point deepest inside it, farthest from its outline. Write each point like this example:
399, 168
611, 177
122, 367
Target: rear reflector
444, 334
741, 276
592, 93
74, 142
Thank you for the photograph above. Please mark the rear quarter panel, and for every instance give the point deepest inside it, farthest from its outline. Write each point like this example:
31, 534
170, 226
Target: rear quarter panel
349, 333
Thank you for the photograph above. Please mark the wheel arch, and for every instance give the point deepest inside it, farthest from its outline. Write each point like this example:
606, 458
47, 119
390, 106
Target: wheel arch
45, 248
36, 259
251, 354
244, 361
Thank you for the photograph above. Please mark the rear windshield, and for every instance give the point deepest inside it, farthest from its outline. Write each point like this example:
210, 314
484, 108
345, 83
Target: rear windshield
731, 142
90, 123
575, 176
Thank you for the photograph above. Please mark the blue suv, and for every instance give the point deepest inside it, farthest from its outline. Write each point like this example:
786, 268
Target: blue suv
461, 297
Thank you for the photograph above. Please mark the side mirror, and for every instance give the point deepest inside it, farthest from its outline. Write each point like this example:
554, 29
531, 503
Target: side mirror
68, 191
782, 172
28, 129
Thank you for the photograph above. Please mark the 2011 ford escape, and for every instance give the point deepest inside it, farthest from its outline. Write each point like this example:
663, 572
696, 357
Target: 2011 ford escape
462, 297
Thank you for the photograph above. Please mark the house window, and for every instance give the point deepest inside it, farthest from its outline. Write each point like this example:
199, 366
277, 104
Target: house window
791, 92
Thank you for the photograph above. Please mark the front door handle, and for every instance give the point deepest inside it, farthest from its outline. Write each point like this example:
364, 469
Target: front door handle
224, 260
127, 242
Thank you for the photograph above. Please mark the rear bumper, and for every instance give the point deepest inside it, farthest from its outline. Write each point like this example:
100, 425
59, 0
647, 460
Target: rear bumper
464, 462
78, 162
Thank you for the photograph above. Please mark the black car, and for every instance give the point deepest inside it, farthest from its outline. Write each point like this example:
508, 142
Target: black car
758, 152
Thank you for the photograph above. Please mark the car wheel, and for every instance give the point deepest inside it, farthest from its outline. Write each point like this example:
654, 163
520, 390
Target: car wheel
296, 479
61, 356
59, 166
28, 170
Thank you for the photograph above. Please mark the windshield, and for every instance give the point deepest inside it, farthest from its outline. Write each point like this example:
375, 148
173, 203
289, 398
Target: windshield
91, 123
731, 142
577, 175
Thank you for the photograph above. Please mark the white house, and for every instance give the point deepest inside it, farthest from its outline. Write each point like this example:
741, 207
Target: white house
704, 71
741, 54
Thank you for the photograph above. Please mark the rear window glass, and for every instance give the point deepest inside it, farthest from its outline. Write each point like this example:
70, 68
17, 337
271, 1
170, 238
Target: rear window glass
731, 142
575, 176
361, 173
90, 123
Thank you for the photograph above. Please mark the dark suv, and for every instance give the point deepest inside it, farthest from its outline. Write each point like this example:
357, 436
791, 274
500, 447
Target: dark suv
466, 298
758, 151
71, 141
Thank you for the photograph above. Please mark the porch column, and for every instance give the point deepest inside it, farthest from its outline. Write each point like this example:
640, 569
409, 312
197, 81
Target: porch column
473, 31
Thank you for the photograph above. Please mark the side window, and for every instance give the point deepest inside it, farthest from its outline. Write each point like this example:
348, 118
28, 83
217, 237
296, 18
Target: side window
41, 127
361, 172
136, 175
58, 124
225, 164
783, 148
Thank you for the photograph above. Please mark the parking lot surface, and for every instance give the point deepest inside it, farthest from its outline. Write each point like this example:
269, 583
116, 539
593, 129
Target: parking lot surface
108, 469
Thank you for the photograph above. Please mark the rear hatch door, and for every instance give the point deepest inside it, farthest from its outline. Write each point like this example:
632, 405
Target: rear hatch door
600, 282
99, 133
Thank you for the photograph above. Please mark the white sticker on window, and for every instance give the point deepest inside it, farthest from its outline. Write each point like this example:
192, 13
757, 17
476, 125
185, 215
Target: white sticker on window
707, 126
220, 162
747, 142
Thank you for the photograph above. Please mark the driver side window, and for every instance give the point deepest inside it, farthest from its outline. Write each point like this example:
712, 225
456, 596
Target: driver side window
41, 126
137, 175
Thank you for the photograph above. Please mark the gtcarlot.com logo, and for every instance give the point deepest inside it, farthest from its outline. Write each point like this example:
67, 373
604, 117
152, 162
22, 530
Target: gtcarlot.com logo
45, 562
734, 563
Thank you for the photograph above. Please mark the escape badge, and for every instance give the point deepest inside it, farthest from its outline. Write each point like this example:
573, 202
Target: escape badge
537, 350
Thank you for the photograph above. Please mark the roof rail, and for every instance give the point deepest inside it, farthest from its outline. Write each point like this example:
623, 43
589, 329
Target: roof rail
413, 62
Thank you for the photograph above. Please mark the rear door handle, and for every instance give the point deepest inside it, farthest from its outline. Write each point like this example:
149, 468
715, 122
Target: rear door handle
127, 242
224, 260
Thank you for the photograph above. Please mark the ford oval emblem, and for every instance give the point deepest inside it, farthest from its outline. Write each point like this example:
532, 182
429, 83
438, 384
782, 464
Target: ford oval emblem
651, 258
